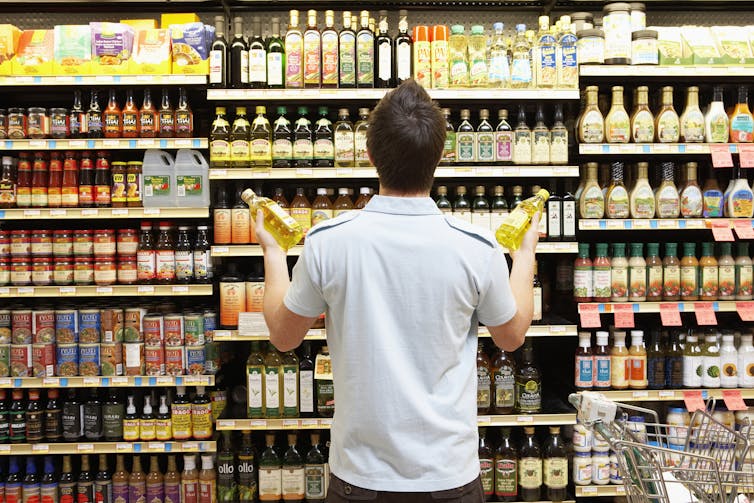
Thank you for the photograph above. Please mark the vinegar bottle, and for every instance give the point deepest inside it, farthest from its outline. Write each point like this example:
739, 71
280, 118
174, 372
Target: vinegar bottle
189, 480
530, 467
137, 483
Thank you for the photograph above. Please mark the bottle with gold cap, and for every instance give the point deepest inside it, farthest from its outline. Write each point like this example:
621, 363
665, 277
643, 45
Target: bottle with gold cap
294, 54
330, 52
511, 232
261, 140
365, 53
284, 228
312, 51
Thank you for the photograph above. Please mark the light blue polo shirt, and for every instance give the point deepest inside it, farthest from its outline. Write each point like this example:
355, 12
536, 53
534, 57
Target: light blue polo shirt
404, 288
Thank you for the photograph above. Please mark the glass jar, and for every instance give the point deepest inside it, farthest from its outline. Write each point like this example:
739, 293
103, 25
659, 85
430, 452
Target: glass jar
582, 21
744, 418
582, 439
582, 468
105, 271
62, 274
616, 23
644, 48
127, 273
591, 47
37, 123
41, 271
16, 123
601, 468
59, 123
128, 241
83, 271
83, 243
41, 243
637, 426
104, 242
20, 243
4, 243
4, 271
20, 271
3, 124
725, 416
678, 426
62, 243
638, 16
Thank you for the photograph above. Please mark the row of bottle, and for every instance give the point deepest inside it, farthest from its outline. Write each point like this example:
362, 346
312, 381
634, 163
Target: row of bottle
717, 125
365, 55
608, 196
668, 361
505, 387
130, 121
173, 257
62, 483
94, 418
638, 279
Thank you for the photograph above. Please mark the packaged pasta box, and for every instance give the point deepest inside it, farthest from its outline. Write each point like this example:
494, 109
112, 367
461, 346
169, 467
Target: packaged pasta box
733, 44
190, 48
9, 36
151, 53
112, 44
73, 50
35, 53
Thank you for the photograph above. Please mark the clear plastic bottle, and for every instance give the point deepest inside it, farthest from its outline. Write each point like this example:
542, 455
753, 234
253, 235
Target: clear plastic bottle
521, 71
458, 52
728, 362
499, 72
478, 76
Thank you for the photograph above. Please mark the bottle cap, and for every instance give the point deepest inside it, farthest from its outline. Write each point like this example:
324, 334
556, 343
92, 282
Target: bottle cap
457, 29
147, 405
131, 409
498, 26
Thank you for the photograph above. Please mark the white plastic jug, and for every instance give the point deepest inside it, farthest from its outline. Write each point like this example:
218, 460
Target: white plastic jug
192, 179
158, 186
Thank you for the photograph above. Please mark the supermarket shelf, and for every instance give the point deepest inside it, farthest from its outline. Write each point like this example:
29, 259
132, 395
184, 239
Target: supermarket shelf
725, 306
600, 491
370, 173
105, 291
114, 381
325, 423
319, 334
256, 250
660, 224
668, 395
650, 148
108, 144
695, 72
482, 94
107, 448
102, 213
98, 80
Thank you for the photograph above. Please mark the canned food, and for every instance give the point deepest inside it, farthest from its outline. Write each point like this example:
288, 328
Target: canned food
4, 360
111, 358
40, 243
211, 358
195, 360
112, 320
66, 326
43, 360
193, 328
43, 326
153, 330
20, 360
133, 356
175, 360
5, 326
174, 330
210, 325
133, 330
90, 326
119, 318
89, 359
67, 360
21, 326
154, 360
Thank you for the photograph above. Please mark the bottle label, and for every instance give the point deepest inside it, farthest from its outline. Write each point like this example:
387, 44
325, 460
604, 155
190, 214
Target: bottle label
668, 128
315, 481
181, 420
521, 72
272, 391
602, 372
556, 473
741, 128
671, 281
643, 127
294, 71
423, 64
239, 151
145, 265
293, 481
155, 492
247, 478
48, 493
504, 380
569, 71
365, 58
261, 149
320, 214
744, 280
559, 147
689, 287
201, 420
172, 492
274, 69
303, 216
255, 390
530, 473
465, 147
324, 149
506, 477
504, 146
189, 490
385, 61
290, 390
485, 147
165, 264
709, 279
638, 370
216, 70
403, 61
154, 186
184, 265
282, 149
329, 59
740, 202
522, 147
483, 388
692, 127
547, 63
303, 149
202, 264
360, 145
618, 127
593, 127
584, 372
619, 371
312, 54
691, 202
617, 203
583, 283
136, 494
449, 148
344, 147
189, 186
601, 281
270, 484
537, 312
207, 491
487, 474
726, 282
554, 219
528, 396
654, 282
619, 278
638, 281
692, 371
347, 68
257, 65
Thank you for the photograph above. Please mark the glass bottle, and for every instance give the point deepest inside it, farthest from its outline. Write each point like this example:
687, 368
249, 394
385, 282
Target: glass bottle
330, 53
504, 139
486, 466
344, 140
726, 266
218, 57
184, 117
276, 61
166, 116
77, 117
617, 123
442, 200
360, 139
247, 472
708, 273
584, 367
498, 208
365, 61
618, 202
94, 117
656, 377
523, 140
484, 381
521, 64
324, 148
465, 140
7, 184
270, 471
165, 255
529, 467
654, 272
693, 363
528, 392
716, 122
591, 124
691, 198
480, 209
642, 120
312, 52
674, 362
485, 139
743, 272
449, 147
239, 57
619, 362
294, 53
546, 50
641, 197
555, 466
692, 118
385, 65
458, 56
712, 200
592, 200
461, 206
637, 274
583, 275
741, 119
240, 153
689, 273
219, 141
316, 471
293, 475
506, 468
667, 124
602, 363
667, 200
541, 140
85, 482
403, 49
637, 378
347, 47
728, 362
282, 143
260, 146
558, 139
112, 118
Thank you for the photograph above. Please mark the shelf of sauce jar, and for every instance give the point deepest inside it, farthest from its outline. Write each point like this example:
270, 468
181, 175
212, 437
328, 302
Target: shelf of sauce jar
100, 213
455, 94
106, 381
100, 80
105, 144
651, 148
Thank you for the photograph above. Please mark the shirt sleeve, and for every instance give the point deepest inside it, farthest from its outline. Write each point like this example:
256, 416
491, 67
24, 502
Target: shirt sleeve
304, 297
496, 303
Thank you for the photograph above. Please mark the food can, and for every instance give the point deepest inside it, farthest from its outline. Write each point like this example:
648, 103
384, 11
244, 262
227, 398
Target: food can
195, 360
154, 360
110, 317
174, 330
43, 326
175, 360
5, 326
20, 360
43, 360
67, 360
133, 329
119, 320
4, 360
90, 326
154, 330
193, 329
21, 326
111, 358
89, 359
133, 356
210, 325
211, 358
66, 326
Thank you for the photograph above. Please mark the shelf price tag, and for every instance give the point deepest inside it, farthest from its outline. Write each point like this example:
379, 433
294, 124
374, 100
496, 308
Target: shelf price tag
721, 156
733, 399
590, 316
746, 155
693, 400
670, 315
721, 231
624, 315
745, 310
309, 423
705, 315
744, 229
85, 447
40, 447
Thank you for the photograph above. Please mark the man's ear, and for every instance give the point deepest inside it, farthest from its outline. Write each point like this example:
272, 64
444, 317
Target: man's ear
369, 154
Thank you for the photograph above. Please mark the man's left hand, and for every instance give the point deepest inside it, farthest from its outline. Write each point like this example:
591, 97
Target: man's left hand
266, 240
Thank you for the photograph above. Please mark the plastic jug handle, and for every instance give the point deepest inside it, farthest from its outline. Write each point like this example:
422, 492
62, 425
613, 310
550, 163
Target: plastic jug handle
165, 159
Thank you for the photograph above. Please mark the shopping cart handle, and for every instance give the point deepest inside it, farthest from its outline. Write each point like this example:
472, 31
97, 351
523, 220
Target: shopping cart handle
593, 407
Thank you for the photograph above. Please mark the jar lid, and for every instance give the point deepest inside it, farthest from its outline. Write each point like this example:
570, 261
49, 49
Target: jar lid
617, 7
637, 6
20, 232
15, 110
86, 259
106, 258
104, 231
582, 16
18, 260
82, 231
42, 232
126, 258
58, 110
126, 231
582, 454
59, 260
118, 163
592, 32
644, 34
677, 410
37, 110
62, 232
39, 260
135, 163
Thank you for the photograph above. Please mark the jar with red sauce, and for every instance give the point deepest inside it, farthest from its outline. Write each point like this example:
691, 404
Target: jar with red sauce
41, 243
83, 271
128, 242
20, 243
62, 243
41, 271
62, 274
4, 243
83, 243
20, 271
102, 182
4, 271
104, 242
86, 180
105, 271
127, 273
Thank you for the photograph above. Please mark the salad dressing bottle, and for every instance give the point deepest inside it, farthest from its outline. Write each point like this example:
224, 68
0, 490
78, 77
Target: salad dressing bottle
692, 118
642, 197
743, 272
692, 363
637, 274
601, 274
642, 119
619, 362
741, 120
638, 361
592, 201
716, 122
689, 273
671, 273
667, 123
617, 196
726, 273
739, 201
617, 122
591, 124
692, 204
712, 198
708, 269
619, 273
654, 272
667, 202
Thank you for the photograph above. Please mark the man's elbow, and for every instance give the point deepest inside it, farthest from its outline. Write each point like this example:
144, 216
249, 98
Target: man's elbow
514, 341
281, 342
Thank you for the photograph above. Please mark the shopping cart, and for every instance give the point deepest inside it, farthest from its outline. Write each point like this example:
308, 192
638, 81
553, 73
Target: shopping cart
704, 461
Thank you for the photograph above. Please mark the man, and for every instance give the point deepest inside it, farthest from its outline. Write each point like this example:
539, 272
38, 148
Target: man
403, 288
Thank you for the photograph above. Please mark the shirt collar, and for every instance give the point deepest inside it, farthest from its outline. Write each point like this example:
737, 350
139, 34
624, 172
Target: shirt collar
402, 205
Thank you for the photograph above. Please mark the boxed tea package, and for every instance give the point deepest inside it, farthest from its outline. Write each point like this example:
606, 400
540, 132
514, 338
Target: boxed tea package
35, 53
9, 35
73, 50
151, 53
112, 44
190, 48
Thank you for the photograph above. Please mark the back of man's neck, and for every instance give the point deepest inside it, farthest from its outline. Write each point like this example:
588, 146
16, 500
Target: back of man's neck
384, 191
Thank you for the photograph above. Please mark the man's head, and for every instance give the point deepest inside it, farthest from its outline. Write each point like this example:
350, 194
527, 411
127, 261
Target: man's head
405, 139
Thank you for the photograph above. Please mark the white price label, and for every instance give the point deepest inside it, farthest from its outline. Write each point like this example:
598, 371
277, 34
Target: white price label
67, 290
85, 447
107, 290
76, 144
218, 173
258, 423
90, 213
309, 423
290, 423
164, 381
151, 211
666, 394
304, 172
51, 381
180, 289
25, 291
182, 143
343, 172
589, 490
222, 334
32, 213
145, 143
326, 422
111, 143
220, 250
554, 329
483, 420
121, 447
117, 212
145, 289
226, 423
640, 394
667, 224
5, 382
156, 446
190, 446
119, 381
58, 213
525, 419
40, 447
37, 144
5, 291
92, 381
4, 448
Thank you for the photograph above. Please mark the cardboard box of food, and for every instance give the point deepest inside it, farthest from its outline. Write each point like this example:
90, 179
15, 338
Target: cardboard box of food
9, 36
73, 50
733, 44
190, 49
35, 53
112, 44
140, 24
169, 19
151, 53
671, 47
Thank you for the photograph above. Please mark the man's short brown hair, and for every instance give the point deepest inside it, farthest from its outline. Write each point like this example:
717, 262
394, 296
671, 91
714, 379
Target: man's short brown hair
405, 139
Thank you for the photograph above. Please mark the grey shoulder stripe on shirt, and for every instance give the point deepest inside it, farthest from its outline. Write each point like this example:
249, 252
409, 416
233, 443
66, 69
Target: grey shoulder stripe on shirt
471, 230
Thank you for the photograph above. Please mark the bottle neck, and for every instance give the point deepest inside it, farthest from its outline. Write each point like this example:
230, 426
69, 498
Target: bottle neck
692, 100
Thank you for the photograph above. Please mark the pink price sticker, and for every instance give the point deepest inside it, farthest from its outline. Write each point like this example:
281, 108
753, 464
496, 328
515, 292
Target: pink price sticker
590, 316
624, 315
745, 310
705, 314
733, 399
721, 156
670, 315
693, 400
746, 155
721, 231
744, 229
